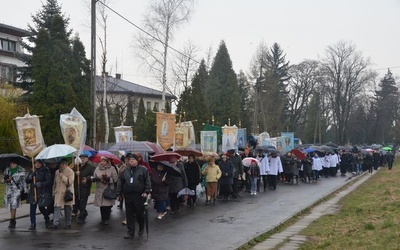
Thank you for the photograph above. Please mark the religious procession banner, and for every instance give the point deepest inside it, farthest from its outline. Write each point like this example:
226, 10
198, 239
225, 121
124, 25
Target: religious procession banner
229, 138
123, 133
288, 141
184, 135
73, 128
241, 137
30, 134
214, 128
165, 130
208, 143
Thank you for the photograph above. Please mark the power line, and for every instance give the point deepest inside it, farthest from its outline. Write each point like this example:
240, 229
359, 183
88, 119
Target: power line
147, 33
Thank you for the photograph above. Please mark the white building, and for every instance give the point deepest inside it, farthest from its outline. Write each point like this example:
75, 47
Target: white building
10, 48
119, 91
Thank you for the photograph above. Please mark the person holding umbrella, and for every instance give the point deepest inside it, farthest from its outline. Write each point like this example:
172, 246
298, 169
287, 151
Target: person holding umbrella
82, 187
134, 186
43, 185
63, 180
14, 177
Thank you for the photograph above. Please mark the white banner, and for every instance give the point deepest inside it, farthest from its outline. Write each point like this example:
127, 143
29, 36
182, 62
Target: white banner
208, 142
123, 133
184, 135
73, 129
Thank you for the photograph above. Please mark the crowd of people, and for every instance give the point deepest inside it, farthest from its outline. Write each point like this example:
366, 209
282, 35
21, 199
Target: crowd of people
135, 180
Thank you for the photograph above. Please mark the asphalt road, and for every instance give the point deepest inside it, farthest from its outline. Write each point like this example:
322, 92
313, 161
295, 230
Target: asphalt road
225, 225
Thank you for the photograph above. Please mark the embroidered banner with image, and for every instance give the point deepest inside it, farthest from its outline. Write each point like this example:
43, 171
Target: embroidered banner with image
184, 135
208, 142
30, 135
73, 129
165, 130
229, 138
123, 133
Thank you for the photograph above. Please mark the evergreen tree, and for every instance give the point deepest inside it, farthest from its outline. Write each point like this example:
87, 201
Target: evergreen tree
139, 130
58, 69
245, 106
129, 120
275, 96
222, 90
386, 107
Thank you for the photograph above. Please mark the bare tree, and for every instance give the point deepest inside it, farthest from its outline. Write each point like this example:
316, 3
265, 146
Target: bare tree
184, 66
163, 18
346, 75
304, 77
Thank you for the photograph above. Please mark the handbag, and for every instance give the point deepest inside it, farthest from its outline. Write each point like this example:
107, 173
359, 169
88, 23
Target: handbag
22, 194
110, 194
68, 196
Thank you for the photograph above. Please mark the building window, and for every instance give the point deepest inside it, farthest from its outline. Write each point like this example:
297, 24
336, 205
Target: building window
148, 106
7, 45
156, 106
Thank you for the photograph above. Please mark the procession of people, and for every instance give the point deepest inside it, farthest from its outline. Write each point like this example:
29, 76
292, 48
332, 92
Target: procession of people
136, 179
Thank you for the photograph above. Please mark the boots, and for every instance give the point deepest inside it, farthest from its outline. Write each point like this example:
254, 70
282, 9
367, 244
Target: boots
12, 224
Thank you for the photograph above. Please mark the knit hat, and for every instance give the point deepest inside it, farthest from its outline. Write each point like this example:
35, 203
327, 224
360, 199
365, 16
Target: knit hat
130, 155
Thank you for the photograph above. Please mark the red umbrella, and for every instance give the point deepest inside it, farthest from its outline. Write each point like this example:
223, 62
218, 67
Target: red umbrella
157, 149
189, 151
298, 154
167, 156
97, 157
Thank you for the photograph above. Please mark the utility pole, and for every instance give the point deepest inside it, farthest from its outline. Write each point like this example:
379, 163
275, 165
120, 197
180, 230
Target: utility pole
92, 130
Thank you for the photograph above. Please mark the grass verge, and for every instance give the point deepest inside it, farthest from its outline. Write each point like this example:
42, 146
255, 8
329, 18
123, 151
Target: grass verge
369, 217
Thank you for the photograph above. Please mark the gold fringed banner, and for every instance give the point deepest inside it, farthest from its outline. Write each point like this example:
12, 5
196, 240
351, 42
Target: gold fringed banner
165, 130
30, 134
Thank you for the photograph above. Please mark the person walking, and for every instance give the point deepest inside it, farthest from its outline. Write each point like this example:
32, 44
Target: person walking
63, 180
14, 178
316, 166
226, 180
43, 185
212, 174
193, 174
264, 169
134, 186
237, 171
159, 189
275, 167
176, 182
82, 186
104, 175
254, 175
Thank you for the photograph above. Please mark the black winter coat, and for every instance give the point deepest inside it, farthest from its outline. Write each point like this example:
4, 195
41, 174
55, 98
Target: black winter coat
193, 173
86, 171
159, 188
226, 172
44, 186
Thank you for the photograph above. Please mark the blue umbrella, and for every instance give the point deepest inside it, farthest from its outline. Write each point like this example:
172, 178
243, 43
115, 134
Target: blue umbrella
310, 150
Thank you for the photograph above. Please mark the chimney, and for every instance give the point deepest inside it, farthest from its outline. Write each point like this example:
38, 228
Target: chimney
118, 76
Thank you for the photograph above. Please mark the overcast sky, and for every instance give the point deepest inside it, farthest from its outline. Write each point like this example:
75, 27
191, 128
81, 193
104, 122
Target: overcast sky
303, 28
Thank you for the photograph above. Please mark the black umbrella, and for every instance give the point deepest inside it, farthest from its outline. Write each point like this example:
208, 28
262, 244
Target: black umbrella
170, 166
146, 215
5, 160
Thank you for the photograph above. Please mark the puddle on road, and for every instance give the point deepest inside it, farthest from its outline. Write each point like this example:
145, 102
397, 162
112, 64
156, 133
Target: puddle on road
222, 219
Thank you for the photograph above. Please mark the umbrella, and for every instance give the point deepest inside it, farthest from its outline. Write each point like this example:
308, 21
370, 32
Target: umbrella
97, 157
247, 161
262, 148
167, 156
146, 214
185, 191
89, 150
56, 150
310, 150
132, 146
5, 160
170, 166
189, 151
387, 148
327, 149
156, 149
299, 154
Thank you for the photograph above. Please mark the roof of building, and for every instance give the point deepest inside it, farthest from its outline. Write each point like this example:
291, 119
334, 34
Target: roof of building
118, 85
7, 29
